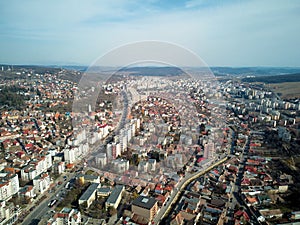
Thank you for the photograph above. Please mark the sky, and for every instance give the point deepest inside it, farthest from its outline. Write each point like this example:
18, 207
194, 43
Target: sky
233, 33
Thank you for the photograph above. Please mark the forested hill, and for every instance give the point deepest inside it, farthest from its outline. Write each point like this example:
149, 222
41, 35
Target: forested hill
274, 79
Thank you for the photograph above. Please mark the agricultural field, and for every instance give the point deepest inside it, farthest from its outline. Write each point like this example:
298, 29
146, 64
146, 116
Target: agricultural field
287, 90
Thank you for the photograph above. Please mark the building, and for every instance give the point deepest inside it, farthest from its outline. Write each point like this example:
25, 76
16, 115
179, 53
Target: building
208, 150
109, 151
152, 164
27, 192
9, 185
66, 216
89, 195
120, 165
36, 167
101, 159
143, 166
8, 213
89, 178
115, 197
271, 213
69, 155
284, 134
59, 167
103, 192
144, 209
41, 183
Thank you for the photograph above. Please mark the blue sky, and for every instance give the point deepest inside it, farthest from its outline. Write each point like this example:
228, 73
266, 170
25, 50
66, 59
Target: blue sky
222, 33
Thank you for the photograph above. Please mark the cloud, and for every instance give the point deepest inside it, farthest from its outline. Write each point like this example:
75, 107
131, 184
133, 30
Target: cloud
232, 33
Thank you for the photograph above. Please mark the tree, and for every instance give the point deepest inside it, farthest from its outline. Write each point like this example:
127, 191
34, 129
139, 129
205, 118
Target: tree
111, 211
135, 195
83, 207
2, 146
202, 127
98, 206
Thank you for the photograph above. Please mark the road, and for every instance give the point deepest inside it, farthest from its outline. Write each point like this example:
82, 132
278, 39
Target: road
237, 192
136, 97
180, 187
95, 151
40, 210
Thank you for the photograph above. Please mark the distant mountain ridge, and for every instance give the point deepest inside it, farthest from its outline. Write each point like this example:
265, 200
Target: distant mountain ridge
274, 79
154, 71
242, 72
254, 71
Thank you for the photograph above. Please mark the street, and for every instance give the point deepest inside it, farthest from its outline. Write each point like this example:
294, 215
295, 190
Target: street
180, 187
41, 209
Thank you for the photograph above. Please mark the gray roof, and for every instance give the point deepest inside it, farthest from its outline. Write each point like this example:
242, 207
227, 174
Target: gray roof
115, 194
104, 189
90, 177
91, 189
144, 202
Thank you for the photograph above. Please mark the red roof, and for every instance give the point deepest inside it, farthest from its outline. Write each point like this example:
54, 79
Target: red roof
200, 159
61, 215
30, 145
70, 165
20, 154
158, 187
102, 125
245, 182
239, 213
3, 184
168, 188
216, 171
160, 198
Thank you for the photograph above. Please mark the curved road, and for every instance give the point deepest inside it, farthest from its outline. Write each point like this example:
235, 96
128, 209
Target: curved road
165, 210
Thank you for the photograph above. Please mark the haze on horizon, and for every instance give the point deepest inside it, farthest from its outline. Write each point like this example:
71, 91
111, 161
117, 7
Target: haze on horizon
231, 33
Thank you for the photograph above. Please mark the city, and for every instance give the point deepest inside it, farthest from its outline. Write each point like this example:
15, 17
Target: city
147, 164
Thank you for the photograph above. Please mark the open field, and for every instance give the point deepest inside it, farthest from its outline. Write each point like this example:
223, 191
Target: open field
287, 90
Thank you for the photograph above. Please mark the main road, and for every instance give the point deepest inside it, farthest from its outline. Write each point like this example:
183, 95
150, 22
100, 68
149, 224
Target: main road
41, 209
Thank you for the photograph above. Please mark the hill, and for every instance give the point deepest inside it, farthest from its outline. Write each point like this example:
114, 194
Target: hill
154, 71
274, 79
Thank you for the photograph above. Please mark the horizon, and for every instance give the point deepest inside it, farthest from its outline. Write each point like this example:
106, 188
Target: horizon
151, 66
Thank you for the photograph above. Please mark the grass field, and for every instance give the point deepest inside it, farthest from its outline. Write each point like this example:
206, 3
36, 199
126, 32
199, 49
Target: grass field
287, 90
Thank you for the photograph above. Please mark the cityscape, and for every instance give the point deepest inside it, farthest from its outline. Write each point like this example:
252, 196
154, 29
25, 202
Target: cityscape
147, 164
191, 118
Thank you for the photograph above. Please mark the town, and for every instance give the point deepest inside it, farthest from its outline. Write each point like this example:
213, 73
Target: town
153, 150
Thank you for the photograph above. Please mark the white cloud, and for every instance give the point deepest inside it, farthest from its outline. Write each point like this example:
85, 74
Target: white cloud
237, 33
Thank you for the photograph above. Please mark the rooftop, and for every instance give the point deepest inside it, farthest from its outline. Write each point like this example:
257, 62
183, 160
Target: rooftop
91, 189
104, 189
144, 202
115, 194
66, 210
